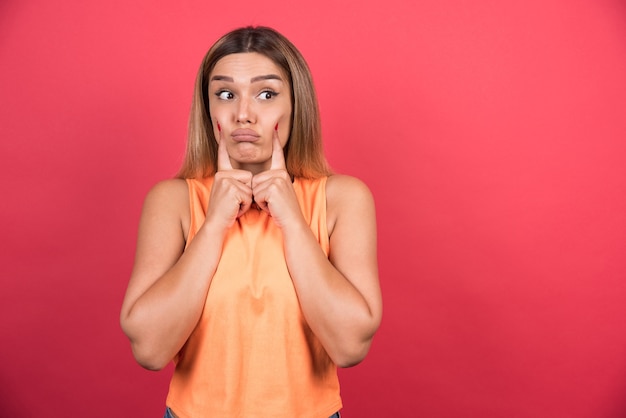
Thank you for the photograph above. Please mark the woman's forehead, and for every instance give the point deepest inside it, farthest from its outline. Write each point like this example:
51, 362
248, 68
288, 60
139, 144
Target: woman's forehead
246, 66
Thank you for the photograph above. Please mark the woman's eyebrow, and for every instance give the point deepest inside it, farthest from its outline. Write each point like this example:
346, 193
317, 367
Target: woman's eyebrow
252, 80
266, 77
222, 78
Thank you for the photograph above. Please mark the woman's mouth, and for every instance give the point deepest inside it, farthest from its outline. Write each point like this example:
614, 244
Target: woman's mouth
245, 135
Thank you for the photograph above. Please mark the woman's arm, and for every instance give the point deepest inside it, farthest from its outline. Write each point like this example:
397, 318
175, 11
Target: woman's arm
340, 295
168, 287
169, 284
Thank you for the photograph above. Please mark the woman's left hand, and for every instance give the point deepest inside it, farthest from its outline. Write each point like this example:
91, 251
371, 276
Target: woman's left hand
273, 191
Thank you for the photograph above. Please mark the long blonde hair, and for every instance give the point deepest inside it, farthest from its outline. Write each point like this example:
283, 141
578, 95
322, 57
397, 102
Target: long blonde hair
304, 153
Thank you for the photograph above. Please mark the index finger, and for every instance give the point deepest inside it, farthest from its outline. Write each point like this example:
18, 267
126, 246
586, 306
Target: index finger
278, 155
223, 159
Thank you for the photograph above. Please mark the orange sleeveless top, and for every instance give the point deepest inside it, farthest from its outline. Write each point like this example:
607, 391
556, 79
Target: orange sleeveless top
252, 353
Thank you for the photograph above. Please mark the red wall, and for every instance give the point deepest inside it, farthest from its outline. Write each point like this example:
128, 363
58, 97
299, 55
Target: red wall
493, 135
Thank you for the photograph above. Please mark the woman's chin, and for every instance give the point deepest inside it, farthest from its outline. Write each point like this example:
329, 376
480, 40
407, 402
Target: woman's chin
254, 164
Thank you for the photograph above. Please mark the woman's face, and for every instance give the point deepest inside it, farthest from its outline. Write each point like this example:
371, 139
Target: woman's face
248, 96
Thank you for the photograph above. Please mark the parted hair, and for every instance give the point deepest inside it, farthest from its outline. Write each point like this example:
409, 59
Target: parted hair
304, 154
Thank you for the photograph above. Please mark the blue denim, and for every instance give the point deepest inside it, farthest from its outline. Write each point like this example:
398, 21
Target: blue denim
168, 414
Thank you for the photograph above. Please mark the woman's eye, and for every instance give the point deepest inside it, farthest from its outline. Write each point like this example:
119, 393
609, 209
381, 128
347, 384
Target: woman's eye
224, 95
267, 94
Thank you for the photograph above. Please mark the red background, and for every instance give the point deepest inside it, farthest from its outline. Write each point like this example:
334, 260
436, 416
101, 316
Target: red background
492, 135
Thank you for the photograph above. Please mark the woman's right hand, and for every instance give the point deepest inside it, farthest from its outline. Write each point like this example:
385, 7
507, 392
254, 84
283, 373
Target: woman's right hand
231, 193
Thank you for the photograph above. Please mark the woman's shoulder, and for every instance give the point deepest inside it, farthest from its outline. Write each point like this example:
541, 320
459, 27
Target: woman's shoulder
168, 189
341, 187
169, 196
347, 196
168, 201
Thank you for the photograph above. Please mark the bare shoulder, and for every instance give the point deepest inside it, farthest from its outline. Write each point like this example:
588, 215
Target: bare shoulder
344, 183
171, 192
168, 199
170, 189
347, 196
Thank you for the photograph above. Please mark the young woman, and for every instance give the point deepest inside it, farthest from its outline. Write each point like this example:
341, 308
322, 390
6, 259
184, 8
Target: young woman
256, 269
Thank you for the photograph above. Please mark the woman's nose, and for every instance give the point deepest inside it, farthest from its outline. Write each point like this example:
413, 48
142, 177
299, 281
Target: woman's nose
245, 111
